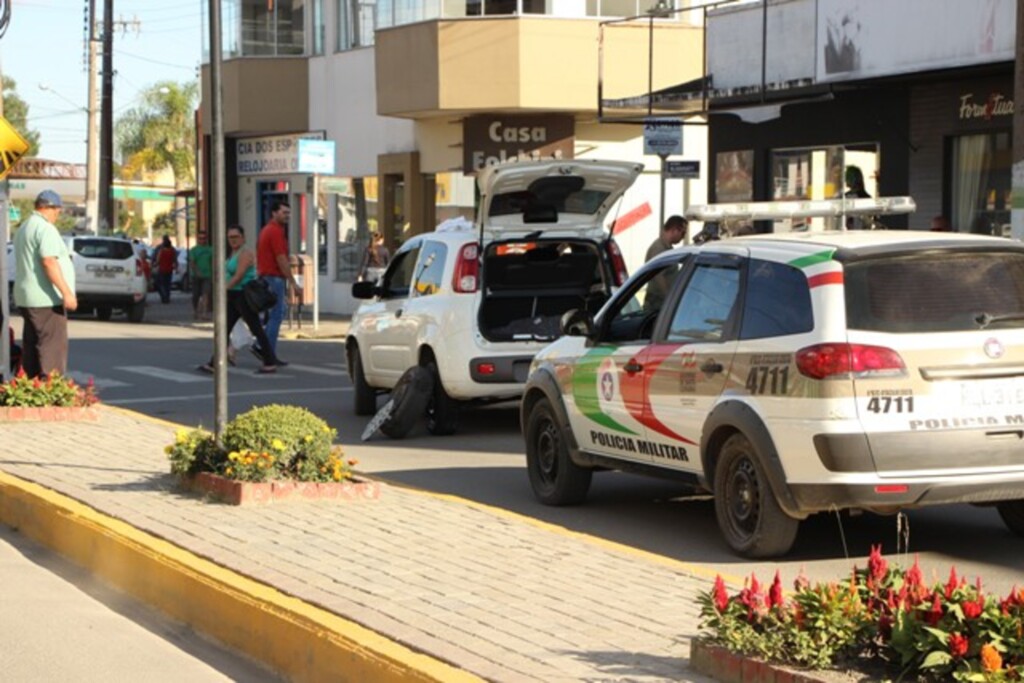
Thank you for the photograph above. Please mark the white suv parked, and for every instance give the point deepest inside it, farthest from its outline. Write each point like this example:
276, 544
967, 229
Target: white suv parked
108, 275
791, 374
472, 304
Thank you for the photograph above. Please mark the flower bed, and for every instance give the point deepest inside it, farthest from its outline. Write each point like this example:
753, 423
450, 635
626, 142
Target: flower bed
48, 414
267, 454
234, 492
884, 616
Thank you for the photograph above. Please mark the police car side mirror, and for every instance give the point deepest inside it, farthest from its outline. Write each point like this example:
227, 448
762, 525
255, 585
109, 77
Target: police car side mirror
364, 290
577, 323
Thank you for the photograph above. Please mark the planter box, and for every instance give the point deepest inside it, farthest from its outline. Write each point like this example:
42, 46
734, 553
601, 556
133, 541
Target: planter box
235, 492
49, 414
728, 667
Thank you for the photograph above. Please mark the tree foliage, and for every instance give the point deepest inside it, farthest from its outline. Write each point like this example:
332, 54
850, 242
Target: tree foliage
16, 111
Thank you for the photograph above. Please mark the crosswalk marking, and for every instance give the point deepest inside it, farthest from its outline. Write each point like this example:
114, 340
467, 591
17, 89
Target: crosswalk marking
98, 382
164, 374
317, 369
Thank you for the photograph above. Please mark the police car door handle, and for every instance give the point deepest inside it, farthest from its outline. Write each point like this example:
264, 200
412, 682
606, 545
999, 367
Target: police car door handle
632, 367
711, 367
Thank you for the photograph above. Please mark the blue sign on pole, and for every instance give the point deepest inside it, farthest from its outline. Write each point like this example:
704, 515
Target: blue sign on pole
316, 156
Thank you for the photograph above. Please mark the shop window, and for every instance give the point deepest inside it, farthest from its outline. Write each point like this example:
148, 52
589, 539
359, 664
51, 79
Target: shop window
318, 27
824, 173
355, 209
357, 22
981, 198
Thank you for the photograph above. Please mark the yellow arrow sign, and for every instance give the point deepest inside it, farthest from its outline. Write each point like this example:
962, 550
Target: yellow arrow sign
12, 147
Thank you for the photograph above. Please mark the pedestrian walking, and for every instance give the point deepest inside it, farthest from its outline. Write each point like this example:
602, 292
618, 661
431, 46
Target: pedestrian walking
239, 270
272, 263
44, 288
166, 266
200, 259
375, 259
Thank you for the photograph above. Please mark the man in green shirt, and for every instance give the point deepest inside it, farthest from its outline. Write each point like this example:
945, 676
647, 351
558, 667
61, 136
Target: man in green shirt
200, 268
44, 288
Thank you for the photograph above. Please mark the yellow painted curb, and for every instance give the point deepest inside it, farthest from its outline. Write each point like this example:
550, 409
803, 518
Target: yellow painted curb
301, 641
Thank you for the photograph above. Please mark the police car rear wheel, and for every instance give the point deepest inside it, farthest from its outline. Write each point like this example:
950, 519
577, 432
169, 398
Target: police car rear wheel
750, 518
1012, 512
554, 477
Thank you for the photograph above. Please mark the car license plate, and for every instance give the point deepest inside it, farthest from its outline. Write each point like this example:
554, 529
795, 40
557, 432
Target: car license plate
992, 393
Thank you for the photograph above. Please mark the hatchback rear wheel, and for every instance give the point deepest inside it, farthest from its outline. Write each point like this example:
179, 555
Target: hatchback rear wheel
1012, 512
748, 515
554, 477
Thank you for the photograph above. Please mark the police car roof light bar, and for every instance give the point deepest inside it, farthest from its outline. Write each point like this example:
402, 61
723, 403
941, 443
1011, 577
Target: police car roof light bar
810, 208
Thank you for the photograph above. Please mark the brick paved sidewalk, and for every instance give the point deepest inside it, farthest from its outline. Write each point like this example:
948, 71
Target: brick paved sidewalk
490, 592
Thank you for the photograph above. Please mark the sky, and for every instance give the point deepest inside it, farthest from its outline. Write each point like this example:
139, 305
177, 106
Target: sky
44, 44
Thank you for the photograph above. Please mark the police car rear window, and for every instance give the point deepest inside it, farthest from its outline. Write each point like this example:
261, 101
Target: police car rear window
108, 249
941, 291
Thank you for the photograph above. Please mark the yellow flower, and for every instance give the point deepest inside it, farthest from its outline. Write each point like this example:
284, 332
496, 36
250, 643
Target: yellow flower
309, 437
229, 471
168, 449
233, 455
181, 437
277, 444
325, 429
352, 462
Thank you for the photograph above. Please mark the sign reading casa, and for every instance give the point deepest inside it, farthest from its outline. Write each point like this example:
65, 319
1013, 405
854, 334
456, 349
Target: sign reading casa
493, 138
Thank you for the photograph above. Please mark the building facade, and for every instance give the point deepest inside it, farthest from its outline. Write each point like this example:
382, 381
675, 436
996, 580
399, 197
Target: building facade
416, 97
917, 95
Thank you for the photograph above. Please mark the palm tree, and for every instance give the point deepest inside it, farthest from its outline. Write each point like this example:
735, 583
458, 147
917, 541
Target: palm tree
160, 134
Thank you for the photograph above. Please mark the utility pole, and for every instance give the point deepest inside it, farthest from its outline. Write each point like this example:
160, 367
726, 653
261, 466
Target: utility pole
5, 304
92, 160
106, 162
1017, 210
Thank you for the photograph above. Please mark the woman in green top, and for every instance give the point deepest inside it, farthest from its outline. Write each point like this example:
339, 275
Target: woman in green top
240, 269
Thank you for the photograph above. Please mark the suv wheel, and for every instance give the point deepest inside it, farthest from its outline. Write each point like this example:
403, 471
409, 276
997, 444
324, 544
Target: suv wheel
137, 311
749, 516
1012, 512
410, 396
365, 395
443, 410
555, 478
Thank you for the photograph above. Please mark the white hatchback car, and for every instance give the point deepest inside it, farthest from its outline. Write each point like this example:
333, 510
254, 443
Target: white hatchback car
109, 275
473, 305
790, 374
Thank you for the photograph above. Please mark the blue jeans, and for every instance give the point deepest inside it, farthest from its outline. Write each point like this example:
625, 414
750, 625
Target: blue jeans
276, 314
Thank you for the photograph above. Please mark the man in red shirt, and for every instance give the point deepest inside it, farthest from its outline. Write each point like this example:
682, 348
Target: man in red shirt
272, 263
166, 265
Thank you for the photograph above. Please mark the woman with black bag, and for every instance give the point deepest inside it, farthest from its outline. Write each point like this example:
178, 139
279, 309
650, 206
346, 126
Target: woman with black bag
239, 270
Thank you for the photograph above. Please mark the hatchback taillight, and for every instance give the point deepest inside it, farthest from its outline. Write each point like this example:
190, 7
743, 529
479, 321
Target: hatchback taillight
618, 264
138, 266
467, 269
822, 361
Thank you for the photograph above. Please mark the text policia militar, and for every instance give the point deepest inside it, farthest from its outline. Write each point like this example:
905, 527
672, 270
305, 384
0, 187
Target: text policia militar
625, 443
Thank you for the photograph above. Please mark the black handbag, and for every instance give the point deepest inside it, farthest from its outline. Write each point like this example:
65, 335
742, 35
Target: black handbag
259, 296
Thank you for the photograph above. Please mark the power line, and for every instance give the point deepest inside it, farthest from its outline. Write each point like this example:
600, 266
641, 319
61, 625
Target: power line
122, 53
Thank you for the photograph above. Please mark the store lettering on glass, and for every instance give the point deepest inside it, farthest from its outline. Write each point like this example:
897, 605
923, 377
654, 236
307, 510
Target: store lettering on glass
996, 105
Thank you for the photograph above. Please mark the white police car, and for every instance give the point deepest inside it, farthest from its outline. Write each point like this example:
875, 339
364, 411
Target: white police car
790, 374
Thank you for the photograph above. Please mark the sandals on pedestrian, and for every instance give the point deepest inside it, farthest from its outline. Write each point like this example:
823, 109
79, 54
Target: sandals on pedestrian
267, 370
205, 367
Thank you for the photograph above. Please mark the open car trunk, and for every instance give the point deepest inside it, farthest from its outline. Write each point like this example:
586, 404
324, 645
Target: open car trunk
528, 286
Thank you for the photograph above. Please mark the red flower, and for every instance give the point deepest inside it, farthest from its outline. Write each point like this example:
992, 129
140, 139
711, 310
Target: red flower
958, 645
972, 609
801, 582
877, 566
775, 592
721, 596
935, 613
914, 577
36, 383
952, 583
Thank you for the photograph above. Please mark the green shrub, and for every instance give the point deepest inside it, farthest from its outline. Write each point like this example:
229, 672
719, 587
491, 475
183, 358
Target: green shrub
269, 442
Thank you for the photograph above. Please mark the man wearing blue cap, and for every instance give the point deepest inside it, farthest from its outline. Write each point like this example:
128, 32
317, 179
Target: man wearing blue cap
44, 288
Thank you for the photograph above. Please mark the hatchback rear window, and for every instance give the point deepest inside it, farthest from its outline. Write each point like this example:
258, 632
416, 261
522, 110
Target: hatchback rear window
937, 292
109, 249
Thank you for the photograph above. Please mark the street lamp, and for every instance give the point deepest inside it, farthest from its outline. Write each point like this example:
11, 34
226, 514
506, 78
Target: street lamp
92, 160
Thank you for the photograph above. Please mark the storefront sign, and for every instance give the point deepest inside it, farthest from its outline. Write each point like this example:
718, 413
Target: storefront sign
271, 155
663, 137
493, 138
997, 104
316, 156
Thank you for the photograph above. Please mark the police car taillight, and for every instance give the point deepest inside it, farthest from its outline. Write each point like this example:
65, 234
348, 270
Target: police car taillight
619, 273
467, 269
823, 361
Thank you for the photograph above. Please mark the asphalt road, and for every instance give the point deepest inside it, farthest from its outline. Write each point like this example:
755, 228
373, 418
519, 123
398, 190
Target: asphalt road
151, 369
